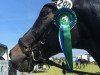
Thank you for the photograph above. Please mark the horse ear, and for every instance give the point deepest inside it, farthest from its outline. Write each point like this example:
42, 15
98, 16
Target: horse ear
51, 5
46, 7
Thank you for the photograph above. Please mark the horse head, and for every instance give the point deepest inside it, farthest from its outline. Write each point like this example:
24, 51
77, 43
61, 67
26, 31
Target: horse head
42, 42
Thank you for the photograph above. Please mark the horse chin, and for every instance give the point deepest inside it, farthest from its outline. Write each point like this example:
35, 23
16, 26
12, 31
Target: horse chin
25, 67
20, 61
22, 66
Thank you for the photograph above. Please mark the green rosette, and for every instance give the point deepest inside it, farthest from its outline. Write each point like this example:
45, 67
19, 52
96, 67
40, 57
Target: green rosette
66, 19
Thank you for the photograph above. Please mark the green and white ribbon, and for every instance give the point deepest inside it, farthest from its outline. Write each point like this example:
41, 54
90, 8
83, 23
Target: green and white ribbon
66, 19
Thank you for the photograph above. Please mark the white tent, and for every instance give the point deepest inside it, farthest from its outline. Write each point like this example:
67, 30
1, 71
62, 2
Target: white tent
91, 59
4, 51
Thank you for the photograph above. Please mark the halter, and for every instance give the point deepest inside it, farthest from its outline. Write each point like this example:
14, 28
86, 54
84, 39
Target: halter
30, 52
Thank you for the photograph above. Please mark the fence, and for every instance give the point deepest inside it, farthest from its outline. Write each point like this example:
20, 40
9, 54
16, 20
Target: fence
7, 69
4, 67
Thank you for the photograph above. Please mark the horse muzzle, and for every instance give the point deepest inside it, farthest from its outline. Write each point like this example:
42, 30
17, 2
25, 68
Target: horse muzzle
20, 61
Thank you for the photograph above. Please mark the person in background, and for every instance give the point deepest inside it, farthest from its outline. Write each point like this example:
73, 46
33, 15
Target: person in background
76, 63
64, 68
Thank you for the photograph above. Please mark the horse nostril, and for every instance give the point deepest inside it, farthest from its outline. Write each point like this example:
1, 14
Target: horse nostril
12, 64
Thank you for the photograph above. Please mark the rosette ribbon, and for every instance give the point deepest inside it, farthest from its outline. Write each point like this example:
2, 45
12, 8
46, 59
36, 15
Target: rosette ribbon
66, 19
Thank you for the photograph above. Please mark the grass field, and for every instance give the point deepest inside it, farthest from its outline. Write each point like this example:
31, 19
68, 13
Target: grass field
56, 71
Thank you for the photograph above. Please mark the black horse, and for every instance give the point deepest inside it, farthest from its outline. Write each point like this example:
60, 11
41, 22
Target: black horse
41, 41
83, 63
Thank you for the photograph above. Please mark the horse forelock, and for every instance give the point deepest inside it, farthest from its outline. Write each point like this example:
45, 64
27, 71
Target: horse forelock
88, 11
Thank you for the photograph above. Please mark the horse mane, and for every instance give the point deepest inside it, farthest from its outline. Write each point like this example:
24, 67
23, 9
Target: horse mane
88, 11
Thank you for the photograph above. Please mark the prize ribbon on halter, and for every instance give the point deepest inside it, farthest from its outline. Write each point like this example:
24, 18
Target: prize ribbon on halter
65, 19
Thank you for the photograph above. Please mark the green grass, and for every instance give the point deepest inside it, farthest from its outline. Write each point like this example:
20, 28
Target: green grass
91, 68
56, 71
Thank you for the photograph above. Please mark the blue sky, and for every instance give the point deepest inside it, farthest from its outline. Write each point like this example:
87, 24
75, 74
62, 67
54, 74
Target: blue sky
16, 17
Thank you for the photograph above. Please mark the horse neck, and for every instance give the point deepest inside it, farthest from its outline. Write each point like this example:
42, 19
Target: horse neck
52, 42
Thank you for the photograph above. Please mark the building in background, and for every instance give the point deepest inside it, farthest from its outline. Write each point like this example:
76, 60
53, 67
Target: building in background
86, 56
3, 52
